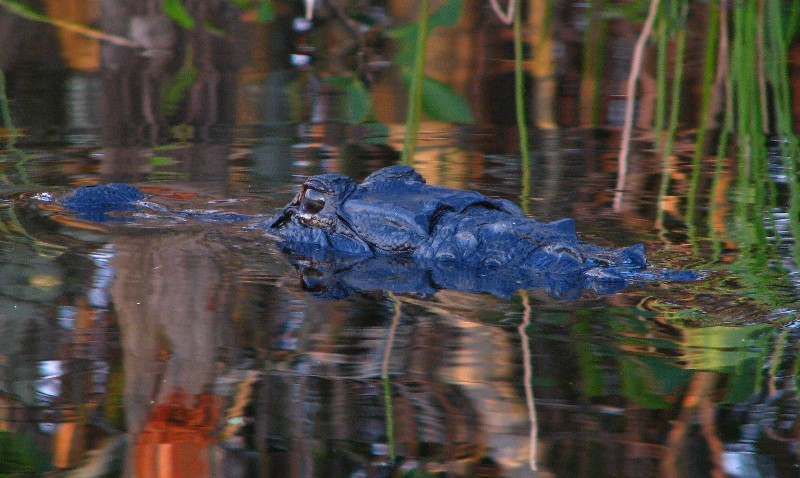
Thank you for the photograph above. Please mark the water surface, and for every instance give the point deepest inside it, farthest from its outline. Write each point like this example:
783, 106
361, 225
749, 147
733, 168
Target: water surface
158, 345
161, 341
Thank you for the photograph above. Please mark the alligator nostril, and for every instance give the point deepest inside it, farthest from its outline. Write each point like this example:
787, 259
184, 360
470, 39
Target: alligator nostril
282, 220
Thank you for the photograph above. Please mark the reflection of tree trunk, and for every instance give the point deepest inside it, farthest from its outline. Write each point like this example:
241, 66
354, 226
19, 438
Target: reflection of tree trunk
27, 42
490, 387
554, 165
142, 99
697, 404
171, 303
29, 56
204, 165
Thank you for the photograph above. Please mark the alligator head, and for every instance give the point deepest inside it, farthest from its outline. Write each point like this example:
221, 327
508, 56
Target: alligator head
391, 211
315, 217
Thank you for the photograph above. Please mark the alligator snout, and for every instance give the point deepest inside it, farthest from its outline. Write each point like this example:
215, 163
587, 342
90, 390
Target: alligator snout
283, 219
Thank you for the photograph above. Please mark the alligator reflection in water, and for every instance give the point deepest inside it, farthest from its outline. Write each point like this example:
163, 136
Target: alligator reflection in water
336, 278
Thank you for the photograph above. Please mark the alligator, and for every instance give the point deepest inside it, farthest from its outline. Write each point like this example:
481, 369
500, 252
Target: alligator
395, 232
461, 239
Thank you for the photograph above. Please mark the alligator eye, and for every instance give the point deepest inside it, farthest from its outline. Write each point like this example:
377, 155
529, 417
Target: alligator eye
312, 201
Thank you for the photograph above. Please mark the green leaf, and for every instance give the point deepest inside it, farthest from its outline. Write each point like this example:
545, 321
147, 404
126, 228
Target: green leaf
175, 91
440, 102
156, 161
359, 102
266, 11
745, 381
401, 32
418, 473
652, 382
635, 12
447, 15
213, 29
376, 133
18, 455
339, 82
177, 11
406, 35
721, 348
407, 39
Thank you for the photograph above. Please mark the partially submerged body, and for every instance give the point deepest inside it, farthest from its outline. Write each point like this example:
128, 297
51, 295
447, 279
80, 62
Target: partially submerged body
394, 213
399, 231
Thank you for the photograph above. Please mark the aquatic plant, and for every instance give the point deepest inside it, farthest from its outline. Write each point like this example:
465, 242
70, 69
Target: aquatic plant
519, 99
21, 158
636, 65
745, 58
710, 63
666, 140
19, 455
386, 377
5, 112
434, 98
415, 92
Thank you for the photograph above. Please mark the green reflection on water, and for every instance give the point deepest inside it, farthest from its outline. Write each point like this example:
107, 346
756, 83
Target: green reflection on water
19, 454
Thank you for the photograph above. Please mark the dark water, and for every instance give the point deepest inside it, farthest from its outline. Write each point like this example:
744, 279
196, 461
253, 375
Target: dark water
156, 345
163, 342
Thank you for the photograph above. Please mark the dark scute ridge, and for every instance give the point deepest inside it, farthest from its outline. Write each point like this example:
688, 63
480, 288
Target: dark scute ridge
400, 172
103, 198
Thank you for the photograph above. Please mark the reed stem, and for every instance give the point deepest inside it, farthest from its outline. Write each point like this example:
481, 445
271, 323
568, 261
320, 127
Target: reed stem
777, 49
674, 113
386, 377
5, 112
712, 40
630, 102
592, 68
519, 97
415, 92
661, 77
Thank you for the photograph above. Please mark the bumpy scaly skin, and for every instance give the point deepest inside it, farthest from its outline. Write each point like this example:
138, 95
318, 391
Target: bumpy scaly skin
394, 212
103, 198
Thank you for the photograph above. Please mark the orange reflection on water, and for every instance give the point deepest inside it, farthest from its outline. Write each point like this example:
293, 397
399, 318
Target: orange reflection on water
176, 440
